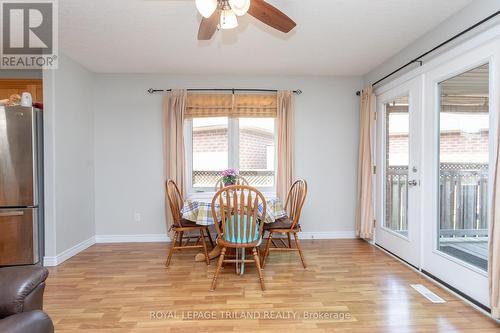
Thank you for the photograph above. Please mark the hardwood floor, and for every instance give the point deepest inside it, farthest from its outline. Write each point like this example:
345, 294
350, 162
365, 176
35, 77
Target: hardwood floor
126, 288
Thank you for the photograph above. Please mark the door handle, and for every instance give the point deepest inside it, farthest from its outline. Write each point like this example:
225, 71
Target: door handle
413, 182
12, 213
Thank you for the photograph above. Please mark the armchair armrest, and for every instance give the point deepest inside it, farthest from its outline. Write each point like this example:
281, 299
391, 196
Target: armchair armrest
21, 289
27, 322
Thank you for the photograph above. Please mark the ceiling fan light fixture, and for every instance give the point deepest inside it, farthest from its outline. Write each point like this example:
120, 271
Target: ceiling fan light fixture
239, 7
228, 19
206, 7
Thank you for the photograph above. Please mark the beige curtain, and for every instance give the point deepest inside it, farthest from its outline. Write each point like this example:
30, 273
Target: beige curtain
364, 198
494, 235
284, 177
174, 107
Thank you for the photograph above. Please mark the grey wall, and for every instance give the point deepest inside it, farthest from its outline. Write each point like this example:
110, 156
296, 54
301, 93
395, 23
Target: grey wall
69, 155
128, 148
473, 13
104, 142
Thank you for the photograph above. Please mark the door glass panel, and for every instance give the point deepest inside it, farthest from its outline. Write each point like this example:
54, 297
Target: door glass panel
463, 166
396, 166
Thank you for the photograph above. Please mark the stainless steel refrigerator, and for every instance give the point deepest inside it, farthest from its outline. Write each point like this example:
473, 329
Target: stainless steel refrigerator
21, 186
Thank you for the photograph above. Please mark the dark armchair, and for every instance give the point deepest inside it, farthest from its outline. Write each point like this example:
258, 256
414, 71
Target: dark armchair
21, 300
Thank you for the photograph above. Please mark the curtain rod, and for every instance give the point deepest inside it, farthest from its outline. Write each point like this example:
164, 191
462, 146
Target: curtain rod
418, 59
296, 92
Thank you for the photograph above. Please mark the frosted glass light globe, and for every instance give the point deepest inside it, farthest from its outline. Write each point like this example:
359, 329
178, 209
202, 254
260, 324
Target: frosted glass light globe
206, 7
239, 7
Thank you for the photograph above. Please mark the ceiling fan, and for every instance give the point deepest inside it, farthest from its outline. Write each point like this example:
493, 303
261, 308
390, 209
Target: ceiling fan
221, 14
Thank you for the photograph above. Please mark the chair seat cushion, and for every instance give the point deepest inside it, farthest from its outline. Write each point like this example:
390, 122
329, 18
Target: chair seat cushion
187, 223
281, 223
222, 242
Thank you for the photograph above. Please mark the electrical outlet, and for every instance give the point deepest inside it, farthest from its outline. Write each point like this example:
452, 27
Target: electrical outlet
137, 217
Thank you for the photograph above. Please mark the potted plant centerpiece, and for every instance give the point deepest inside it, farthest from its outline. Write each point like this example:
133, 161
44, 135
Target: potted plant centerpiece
229, 177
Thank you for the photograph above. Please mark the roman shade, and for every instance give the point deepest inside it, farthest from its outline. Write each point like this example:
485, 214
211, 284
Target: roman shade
231, 105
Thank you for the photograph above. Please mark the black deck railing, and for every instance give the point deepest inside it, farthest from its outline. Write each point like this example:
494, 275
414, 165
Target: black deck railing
463, 199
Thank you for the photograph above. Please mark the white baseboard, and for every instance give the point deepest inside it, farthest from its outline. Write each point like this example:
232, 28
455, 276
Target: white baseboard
156, 238
65, 255
328, 235
141, 238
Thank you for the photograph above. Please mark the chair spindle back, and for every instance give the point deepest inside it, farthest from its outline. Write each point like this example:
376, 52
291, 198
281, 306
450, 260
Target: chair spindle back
295, 200
240, 208
175, 202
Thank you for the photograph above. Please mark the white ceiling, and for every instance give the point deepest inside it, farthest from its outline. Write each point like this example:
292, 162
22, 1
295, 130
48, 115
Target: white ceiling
332, 37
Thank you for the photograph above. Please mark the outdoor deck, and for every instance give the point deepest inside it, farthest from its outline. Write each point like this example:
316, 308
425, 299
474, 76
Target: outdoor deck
472, 250
463, 193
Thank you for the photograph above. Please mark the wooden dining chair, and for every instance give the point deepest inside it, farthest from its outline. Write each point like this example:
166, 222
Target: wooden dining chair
239, 181
288, 225
240, 228
180, 226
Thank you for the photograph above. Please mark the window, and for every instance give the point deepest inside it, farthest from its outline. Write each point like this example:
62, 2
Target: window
464, 152
256, 151
216, 143
210, 150
397, 156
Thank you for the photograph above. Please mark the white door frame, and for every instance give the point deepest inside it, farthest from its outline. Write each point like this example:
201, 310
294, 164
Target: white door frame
466, 278
407, 248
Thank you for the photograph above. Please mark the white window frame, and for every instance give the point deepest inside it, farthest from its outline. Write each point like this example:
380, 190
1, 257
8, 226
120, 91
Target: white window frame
233, 158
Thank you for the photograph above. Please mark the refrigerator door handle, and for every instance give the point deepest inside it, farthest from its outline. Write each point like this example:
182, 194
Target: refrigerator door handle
12, 213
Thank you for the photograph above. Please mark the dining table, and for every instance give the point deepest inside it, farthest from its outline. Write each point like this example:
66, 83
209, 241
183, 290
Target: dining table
198, 209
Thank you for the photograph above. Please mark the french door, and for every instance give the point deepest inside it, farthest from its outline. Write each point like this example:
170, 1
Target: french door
460, 111
398, 171
436, 138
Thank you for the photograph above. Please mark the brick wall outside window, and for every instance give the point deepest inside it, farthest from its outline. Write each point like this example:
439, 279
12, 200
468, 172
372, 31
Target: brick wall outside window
253, 149
455, 147
212, 140
253, 145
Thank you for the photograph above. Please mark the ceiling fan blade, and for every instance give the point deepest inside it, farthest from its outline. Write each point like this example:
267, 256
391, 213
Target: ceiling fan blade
208, 26
271, 16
